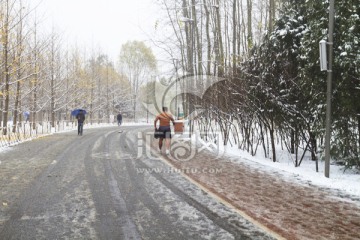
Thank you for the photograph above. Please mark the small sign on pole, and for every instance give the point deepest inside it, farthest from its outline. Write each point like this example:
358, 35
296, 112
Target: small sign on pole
323, 55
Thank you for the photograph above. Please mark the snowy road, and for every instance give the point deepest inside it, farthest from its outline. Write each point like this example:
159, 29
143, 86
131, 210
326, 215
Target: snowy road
64, 186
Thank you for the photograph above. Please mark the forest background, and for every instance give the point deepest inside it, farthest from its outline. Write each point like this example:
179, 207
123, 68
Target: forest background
267, 51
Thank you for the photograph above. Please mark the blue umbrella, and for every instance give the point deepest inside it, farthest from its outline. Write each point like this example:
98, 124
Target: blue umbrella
26, 114
76, 112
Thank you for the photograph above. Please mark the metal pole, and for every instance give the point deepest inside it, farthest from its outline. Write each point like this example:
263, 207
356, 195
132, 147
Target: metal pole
176, 86
329, 89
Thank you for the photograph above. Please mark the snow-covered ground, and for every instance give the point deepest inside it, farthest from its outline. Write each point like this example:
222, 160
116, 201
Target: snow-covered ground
340, 180
348, 181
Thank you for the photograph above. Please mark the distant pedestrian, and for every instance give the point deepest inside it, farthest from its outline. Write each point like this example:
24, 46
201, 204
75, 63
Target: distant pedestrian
119, 119
27, 116
81, 118
164, 128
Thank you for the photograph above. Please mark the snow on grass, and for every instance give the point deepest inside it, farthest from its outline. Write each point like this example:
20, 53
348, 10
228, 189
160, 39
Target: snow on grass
347, 181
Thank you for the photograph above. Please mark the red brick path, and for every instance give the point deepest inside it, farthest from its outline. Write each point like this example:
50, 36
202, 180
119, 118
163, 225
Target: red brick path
291, 209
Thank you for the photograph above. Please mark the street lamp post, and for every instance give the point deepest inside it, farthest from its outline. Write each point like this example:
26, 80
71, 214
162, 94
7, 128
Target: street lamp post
329, 89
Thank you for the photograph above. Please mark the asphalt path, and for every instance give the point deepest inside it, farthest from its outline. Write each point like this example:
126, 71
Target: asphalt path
102, 185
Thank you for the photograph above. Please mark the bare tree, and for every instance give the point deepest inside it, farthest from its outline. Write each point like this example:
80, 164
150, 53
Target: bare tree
19, 65
137, 62
7, 27
34, 82
54, 74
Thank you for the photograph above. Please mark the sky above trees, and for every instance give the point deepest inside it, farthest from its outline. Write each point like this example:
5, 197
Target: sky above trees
105, 24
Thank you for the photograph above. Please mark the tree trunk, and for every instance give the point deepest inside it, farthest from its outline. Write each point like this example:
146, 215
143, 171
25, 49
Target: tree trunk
5, 42
272, 139
271, 15
263, 139
242, 30
52, 83
188, 36
313, 146
207, 27
358, 125
296, 143
234, 53
34, 82
7, 85
19, 49
220, 47
249, 23
292, 141
198, 47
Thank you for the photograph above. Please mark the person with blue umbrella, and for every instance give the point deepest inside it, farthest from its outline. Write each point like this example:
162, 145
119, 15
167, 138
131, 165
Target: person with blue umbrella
80, 116
27, 116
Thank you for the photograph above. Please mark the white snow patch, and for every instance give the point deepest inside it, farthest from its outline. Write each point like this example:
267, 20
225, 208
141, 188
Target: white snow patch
347, 181
282, 32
